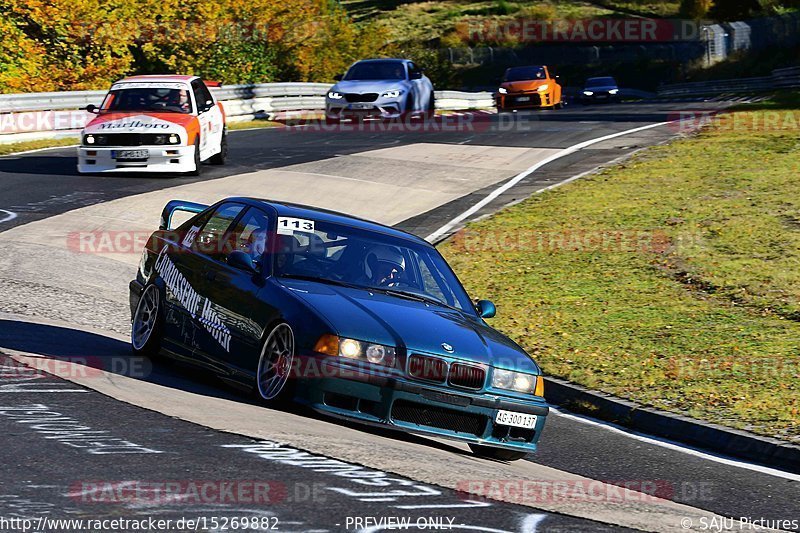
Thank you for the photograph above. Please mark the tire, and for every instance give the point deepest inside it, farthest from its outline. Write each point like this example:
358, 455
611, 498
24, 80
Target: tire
430, 113
408, 111
219, 159
499, 454
148, 322
197, 162
275, 365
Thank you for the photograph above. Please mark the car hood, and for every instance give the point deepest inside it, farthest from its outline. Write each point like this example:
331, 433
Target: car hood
525, 85
369, 86
139, 123
385, 319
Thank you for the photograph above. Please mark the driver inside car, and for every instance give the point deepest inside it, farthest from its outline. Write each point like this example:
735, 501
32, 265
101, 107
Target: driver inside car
385, 266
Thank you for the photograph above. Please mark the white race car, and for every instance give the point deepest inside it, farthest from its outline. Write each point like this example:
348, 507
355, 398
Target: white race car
154, 124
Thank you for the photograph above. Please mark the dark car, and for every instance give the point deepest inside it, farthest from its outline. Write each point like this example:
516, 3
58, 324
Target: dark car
355, 319
603, 89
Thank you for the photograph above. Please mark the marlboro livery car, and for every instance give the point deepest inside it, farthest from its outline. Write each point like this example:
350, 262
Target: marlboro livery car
357, 320
154, 124
528, 87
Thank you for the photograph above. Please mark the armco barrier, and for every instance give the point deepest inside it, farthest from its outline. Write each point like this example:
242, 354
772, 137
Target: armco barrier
33, 116
786, 78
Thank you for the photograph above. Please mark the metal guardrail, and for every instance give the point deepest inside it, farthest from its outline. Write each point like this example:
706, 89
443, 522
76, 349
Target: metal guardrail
61, 114
785, 78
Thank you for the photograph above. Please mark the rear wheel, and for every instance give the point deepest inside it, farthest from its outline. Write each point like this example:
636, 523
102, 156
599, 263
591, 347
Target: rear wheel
275, 364
500, 454
219, 159
147, 323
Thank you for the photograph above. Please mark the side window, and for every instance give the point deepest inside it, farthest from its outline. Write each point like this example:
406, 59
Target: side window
414, 71
250, 235
209, 238
201, 94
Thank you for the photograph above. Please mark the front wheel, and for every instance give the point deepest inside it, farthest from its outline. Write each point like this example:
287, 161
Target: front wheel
275, 363
147, 323
500, 454
197, 162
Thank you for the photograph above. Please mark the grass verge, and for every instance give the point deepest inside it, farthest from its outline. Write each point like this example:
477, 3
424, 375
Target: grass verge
671, 279
12, 148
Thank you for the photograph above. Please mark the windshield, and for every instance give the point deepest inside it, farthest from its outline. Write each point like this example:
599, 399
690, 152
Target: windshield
158, 99
342, 255
376, 70
524, 74
601, 82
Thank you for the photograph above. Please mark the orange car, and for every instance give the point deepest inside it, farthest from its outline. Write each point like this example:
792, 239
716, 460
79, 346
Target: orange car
528, 87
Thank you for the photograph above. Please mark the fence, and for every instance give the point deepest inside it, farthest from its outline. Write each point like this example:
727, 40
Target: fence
33, 116
711, 43
785, 78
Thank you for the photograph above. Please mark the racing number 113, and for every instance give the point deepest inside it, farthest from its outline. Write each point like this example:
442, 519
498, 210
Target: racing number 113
288, 225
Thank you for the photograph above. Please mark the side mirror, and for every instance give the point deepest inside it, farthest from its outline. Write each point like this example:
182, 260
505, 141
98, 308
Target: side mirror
485, 308
338, 77
208, 105
242, 261
91, 108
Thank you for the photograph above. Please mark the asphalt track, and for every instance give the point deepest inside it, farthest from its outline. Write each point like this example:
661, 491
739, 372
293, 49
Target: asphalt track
42, 185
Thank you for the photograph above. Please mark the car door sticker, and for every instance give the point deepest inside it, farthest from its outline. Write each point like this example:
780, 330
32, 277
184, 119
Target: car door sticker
289, 225
190, 235
189, 299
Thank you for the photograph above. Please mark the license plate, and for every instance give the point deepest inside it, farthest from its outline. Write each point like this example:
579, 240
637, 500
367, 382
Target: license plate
523, 98
517, 420
601, 96
130, 154
360, 106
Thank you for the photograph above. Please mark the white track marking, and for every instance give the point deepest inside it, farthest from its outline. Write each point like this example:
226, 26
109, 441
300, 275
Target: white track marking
444, 230
671, 445
10, 215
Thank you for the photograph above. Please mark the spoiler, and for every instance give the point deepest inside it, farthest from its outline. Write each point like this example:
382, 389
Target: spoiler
178, 205
210, 83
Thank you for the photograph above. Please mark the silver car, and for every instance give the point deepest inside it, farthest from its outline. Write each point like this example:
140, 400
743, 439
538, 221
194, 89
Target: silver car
380, 88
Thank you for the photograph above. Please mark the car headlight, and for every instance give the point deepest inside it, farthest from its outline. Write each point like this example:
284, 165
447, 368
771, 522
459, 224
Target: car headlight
543, 88
95, 139
174, 139
517, 381
613, 91
502, 90
588, 93
377, 354
394, 93
333, 95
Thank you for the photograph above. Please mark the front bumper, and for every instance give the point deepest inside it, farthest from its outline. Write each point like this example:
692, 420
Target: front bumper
384, 108
399, 403
524, 100
161, 158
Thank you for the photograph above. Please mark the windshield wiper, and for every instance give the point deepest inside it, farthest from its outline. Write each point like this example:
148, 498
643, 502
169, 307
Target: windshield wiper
414, 296
329, 281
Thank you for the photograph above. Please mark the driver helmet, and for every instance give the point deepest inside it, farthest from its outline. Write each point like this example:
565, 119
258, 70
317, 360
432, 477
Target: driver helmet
385, 264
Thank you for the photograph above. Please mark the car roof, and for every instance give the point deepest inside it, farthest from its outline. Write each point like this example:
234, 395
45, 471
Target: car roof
288, 209
158, 78
602, 78
383, 60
